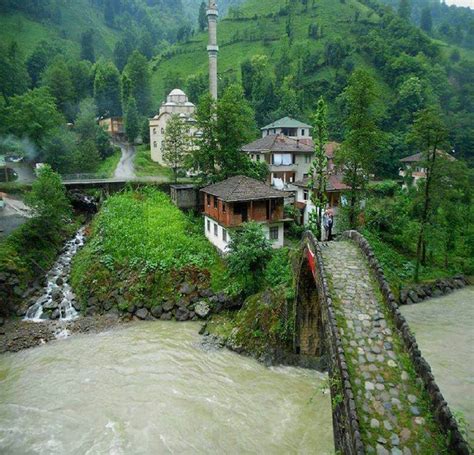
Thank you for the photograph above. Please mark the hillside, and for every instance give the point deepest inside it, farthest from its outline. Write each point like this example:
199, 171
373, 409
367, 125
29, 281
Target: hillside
312, 47
63, 23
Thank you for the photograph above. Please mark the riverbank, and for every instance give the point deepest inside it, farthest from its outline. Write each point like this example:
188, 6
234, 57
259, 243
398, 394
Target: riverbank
17, 334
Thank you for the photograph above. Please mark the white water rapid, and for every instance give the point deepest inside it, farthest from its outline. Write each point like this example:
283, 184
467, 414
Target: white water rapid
58, 300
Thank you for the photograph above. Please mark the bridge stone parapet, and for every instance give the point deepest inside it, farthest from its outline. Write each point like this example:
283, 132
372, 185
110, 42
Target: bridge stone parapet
439, 407
346, 428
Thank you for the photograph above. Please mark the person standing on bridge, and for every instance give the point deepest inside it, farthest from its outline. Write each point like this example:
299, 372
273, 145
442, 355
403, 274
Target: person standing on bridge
328, 221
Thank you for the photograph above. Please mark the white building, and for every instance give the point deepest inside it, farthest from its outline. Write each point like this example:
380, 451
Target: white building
176, 103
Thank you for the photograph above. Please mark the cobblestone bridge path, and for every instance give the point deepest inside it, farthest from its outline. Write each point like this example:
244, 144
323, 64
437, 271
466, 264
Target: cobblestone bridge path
392, 407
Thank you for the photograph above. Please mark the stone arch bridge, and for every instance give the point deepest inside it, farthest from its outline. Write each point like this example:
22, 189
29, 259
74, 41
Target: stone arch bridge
384, 397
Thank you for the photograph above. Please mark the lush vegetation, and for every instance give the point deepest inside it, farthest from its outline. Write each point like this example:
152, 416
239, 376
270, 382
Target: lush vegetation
139, 242
31, 249
146, 167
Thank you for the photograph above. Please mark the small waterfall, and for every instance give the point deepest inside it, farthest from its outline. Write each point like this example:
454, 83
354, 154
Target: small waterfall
58, 300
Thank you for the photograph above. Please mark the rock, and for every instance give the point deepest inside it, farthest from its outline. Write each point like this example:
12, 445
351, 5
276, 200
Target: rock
187, 289
157, 311
52, 305
381, 450
131, 309
374, 423
202, 309
166, 317
415, 410
369, 386
142, 313
394, 439
168, 306
412, 399
2, 321
92, 301
405, 435
76, 305
182, 314
55, 314
59, 281
17, 291
414, 297
206, 293
108, 305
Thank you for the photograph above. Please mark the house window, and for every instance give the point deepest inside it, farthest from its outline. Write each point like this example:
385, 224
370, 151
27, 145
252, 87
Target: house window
274, 233
208, 225
303, 132
282, 159
162, 131
154, 130
305, 195
258, 157
155, 145
215, 202
216, 229
208, 197
307, 159
224, 235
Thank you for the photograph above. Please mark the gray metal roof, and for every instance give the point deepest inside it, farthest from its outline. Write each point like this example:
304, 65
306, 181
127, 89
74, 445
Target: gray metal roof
287, 122
279, 143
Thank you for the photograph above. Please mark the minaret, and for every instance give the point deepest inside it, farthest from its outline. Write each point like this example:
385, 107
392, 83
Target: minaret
212, 48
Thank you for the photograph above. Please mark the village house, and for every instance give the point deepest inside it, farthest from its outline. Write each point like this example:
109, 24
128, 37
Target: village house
413, 166
240, 199
177, 103
334, 189
287, 148
113, 126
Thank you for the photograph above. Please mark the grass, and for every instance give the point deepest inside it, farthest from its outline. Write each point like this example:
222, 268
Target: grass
108, 166
399, 268
146, 167
142, 243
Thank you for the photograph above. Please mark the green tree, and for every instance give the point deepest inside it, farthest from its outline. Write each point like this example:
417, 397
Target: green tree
146, 44
207, 146
40, 58
404, 9
138, 72
81, 71
319, 167
48, 199
249, 252
363, 138
60, 150
86, 124
235, 127
87, 46
429, 134
132, 121
57, 78
107, 91
175, 146
88, 154
14, 78
426, 21
202, 19
32, 115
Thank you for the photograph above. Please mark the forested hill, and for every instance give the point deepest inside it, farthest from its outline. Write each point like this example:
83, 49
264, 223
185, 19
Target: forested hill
288, 54
144, 23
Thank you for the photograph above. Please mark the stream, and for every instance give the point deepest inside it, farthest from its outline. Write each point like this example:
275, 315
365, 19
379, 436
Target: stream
444, 331
151, 388
57, 300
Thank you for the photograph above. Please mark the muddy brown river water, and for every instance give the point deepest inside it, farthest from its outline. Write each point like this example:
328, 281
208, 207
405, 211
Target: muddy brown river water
150, 388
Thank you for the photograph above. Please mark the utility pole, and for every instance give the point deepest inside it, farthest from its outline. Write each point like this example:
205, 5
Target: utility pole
212, 48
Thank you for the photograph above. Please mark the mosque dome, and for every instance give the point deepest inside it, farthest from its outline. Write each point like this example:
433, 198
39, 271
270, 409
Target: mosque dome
177, 96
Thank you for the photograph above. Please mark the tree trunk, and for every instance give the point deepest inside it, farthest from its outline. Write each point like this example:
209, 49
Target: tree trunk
424, 216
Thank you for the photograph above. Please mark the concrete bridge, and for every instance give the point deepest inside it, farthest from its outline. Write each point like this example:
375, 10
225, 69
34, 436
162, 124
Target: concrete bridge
385, 399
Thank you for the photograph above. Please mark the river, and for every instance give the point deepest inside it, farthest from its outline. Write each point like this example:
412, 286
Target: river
151, 388
444, 331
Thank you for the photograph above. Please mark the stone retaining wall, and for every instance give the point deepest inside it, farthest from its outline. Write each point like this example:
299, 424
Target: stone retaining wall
345, 419
418, 293
439, 407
